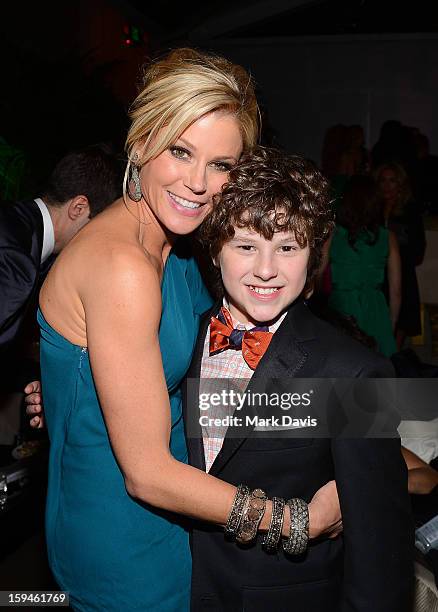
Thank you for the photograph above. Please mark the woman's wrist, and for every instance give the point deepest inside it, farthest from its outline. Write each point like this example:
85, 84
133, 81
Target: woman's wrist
266, 520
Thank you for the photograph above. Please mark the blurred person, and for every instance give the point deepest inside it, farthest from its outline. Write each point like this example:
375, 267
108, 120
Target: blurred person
343, 155
333, 148
402, 216
395, 144
427, 175
337, 168
335, 164
32, 232
356, 151
362, 251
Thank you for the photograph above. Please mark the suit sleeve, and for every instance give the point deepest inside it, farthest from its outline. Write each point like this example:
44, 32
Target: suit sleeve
17, 280
372, 482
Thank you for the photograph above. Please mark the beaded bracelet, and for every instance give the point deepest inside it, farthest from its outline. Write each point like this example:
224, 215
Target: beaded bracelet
251, 516
298, 538
272, 538
235, 516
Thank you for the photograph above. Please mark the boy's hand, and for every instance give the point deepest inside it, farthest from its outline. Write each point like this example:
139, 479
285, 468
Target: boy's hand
34, 403
422, 480
325, 513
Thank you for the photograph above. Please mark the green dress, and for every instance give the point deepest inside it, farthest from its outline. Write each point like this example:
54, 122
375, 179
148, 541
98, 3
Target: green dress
357, 284
109, 551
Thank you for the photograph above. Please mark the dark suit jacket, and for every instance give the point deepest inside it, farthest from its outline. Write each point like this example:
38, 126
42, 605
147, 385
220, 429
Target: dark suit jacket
21, 240
369, 568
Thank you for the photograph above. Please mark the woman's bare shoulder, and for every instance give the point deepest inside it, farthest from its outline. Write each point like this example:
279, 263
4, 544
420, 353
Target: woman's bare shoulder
117, 263
100, 267
106, 247
127, 291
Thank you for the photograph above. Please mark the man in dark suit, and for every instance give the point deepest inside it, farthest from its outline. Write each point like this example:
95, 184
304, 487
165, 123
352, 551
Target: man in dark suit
32, 233
265, 233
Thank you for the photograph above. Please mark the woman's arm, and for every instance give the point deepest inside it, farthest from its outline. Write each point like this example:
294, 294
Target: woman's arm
123, 308
394, 279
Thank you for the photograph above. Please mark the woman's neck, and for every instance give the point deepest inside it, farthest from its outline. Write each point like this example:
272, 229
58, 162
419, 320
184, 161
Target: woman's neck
150, 233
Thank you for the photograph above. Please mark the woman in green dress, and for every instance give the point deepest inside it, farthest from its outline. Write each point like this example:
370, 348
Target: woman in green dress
362, 252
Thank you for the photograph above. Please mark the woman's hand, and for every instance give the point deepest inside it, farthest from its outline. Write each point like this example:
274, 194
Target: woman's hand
325, 513
34, 401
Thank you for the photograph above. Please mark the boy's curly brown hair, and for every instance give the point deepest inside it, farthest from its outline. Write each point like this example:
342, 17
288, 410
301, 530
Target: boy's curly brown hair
270, 191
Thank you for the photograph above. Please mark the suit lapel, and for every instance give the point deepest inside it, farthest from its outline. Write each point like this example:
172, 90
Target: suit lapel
286, 357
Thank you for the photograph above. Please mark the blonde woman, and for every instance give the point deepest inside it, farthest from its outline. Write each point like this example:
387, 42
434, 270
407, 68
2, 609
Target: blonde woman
119, 317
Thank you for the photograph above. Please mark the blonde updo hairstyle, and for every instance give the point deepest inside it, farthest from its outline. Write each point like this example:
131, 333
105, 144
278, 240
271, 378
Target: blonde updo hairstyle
178, 90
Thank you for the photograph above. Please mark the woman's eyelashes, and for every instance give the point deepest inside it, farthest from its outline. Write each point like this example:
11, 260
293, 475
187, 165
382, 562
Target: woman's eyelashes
184, 154
285, 248
245, 247
288, 248
222, 166
179, 152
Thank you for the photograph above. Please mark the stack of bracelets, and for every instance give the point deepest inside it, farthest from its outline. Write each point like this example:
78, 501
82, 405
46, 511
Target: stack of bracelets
247, 512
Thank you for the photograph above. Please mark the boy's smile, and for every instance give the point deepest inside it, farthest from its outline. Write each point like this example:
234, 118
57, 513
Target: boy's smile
262, 277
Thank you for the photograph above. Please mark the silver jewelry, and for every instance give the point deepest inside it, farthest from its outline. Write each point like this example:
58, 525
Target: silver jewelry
272, 538
251, 517
298, 538
236, 512
134, 176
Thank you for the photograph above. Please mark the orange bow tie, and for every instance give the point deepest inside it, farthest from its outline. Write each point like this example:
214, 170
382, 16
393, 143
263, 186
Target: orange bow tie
253, 342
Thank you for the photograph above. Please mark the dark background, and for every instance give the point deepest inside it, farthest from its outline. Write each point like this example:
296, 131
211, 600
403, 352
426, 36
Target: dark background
70, 69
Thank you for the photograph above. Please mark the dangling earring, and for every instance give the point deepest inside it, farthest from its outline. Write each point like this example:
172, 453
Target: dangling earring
135, 178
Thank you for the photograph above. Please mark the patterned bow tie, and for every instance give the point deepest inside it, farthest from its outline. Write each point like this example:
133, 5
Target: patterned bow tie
223, 336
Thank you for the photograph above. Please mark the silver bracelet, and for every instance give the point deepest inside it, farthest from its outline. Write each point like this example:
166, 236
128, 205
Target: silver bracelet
272, 538
236, 512
298, 539
251, 516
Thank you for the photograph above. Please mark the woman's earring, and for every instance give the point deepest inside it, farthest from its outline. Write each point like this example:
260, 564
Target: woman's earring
135, 178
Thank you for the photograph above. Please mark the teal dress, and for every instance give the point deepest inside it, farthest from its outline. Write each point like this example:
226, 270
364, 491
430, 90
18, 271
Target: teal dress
109, 551
357, 284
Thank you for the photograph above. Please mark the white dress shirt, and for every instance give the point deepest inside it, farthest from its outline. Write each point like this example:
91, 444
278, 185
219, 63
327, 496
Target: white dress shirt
49, 232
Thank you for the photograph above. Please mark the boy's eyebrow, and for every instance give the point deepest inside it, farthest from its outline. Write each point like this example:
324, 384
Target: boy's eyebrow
288, 238
245, 238
240, 238
189, 145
